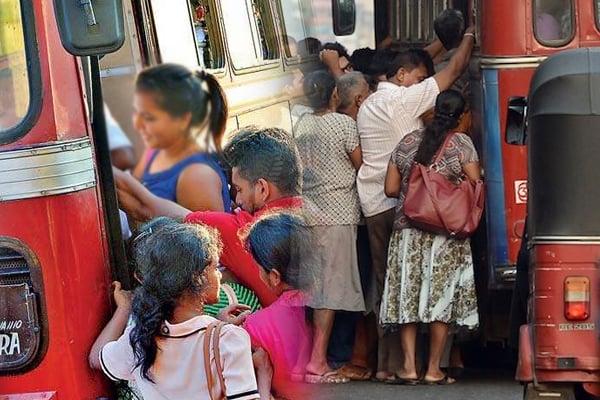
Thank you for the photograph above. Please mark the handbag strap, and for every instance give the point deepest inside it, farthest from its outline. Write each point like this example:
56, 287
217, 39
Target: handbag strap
442, 148
211, 337
230, 293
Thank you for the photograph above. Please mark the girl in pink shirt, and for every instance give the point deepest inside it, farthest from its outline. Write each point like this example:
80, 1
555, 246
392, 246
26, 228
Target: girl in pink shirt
276, 241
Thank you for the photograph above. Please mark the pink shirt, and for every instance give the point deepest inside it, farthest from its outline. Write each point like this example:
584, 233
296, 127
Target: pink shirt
178, 370
282, 331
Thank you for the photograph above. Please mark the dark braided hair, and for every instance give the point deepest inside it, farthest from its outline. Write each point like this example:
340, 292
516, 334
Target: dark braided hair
177, 90
171, 260
449, 107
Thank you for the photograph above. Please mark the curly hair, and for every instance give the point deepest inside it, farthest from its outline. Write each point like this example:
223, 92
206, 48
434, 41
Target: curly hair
172, 259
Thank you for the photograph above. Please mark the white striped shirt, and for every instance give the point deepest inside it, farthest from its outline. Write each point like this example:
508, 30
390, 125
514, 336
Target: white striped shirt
383, 119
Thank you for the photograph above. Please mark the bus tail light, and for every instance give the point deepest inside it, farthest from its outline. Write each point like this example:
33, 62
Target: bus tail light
577, 298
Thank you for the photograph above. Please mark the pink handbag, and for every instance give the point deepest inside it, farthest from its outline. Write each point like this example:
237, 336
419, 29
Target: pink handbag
435, 204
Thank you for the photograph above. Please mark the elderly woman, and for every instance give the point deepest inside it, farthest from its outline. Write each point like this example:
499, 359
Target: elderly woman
329, 147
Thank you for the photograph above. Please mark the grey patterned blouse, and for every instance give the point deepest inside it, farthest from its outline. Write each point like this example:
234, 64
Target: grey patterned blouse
329, 188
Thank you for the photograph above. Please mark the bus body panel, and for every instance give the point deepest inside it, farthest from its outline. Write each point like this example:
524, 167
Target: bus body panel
565, 350
65, 233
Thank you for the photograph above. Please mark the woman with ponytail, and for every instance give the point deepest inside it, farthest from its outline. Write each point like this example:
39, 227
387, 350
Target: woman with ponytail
181, 117
162, 350
429, 277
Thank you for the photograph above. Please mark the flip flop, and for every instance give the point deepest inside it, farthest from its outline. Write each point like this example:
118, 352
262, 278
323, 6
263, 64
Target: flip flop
327, 377
446, 380
398, 380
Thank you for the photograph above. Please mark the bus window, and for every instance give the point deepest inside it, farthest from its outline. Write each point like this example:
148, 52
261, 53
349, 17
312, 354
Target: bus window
553, 23
206, 32
344, 17
250, 32
296, 24
412, 20
14, 79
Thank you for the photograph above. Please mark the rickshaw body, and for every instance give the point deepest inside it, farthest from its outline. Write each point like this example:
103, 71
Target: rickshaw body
560, 345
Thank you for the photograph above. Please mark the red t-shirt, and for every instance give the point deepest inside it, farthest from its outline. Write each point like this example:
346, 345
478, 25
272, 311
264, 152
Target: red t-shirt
235, 257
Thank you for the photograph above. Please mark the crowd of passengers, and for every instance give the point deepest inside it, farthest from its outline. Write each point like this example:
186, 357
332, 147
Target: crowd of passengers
313, 267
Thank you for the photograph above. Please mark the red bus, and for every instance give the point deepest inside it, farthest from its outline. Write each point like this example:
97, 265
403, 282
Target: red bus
514, 37
60, 238
55, 255
512, 40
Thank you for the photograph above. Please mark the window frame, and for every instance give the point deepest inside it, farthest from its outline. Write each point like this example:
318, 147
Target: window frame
280, 19
214, 30
554, 43
414, 21
597, 13
338, 30
262, 63
23, 127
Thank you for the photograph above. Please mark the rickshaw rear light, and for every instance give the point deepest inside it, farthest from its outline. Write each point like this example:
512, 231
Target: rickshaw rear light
577, 298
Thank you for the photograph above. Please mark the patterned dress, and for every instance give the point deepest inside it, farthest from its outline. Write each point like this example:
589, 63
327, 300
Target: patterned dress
429, 277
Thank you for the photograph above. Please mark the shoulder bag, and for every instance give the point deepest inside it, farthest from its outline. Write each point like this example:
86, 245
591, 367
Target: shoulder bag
435, 204
211, 340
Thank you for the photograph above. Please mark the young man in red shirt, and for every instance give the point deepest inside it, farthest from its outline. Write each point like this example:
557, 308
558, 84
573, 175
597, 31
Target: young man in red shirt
266, 175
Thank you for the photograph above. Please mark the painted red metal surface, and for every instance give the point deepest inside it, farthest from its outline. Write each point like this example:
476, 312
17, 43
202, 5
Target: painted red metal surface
524, 371
30, 396
564, 350
67, 234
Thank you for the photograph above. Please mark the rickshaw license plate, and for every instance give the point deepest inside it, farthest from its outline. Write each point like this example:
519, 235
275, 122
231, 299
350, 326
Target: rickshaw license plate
577, 327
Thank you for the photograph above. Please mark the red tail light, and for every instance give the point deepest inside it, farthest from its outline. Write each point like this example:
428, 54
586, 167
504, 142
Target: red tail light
577, 298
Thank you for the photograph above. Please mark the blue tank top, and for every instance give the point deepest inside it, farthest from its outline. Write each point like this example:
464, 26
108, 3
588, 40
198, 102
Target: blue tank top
164, 183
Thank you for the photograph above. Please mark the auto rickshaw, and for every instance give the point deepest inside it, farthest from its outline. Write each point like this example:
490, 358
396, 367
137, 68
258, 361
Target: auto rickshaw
559, 347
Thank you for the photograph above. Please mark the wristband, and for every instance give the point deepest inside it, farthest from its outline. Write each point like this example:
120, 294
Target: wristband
470, 34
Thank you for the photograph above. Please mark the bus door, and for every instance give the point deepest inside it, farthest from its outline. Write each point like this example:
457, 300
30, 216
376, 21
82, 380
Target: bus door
54, 254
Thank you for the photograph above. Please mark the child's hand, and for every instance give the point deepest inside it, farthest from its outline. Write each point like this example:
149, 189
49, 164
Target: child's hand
234, 314
122, 297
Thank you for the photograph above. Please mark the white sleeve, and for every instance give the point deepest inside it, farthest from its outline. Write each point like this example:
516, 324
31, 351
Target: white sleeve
116, 358
236, 359
116, 136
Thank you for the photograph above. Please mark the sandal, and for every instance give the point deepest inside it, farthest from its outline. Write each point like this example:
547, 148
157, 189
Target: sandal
445, 380
398, 380
355, 372
327, 377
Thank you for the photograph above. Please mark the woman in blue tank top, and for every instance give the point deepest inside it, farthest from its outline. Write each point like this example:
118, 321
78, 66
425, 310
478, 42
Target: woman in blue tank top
170, 112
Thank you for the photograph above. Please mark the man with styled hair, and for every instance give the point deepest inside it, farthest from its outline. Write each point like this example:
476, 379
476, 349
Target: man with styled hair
266, 174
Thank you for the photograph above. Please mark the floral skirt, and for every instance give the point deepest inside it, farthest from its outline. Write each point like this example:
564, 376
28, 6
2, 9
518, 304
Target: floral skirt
429, 278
